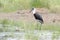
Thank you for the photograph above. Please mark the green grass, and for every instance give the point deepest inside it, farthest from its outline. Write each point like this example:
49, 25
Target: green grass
55, 35
31, 36
27, 25
13, 5
53, 27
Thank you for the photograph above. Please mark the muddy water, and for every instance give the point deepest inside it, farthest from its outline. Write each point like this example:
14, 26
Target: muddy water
42, 35
11, 35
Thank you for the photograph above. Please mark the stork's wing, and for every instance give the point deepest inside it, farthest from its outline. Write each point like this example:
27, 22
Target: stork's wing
38, 17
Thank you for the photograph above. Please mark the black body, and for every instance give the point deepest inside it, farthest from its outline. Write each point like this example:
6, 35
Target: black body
38, 17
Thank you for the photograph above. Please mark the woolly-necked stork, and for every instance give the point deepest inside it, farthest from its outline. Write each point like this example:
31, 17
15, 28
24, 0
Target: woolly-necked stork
37, 16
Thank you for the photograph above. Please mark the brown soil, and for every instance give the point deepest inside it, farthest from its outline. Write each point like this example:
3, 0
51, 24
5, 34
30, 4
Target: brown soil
26, 16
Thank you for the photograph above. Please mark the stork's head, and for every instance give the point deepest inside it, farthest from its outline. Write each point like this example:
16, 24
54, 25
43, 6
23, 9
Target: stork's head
33, 10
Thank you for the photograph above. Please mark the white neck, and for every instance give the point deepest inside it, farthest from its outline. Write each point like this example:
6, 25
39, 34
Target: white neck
34, 11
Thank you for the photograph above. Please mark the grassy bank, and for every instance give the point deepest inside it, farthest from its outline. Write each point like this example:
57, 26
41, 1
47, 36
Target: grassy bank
10, 25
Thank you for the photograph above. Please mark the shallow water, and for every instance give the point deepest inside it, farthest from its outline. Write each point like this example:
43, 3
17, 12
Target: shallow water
42, 35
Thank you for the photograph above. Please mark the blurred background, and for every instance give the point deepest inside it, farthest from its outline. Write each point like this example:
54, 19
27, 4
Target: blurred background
16, 23
13, 5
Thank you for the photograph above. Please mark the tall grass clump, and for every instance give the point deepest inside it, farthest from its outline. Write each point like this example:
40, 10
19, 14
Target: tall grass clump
35, 3
13, 5
1, 4
54, 6
4, 22
31, 36
40, 3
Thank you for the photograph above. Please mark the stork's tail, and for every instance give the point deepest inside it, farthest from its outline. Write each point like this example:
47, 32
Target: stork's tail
41, 22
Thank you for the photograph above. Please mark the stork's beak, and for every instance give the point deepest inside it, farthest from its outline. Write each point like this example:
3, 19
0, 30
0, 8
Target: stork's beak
30, 11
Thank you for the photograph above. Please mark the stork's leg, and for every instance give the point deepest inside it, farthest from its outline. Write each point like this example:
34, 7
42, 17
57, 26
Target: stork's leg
39, 25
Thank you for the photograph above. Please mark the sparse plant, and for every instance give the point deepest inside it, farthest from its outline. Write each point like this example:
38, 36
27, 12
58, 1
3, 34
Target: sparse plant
5, 22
